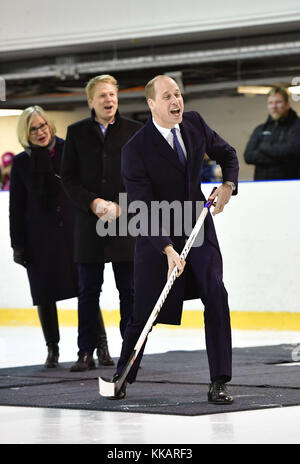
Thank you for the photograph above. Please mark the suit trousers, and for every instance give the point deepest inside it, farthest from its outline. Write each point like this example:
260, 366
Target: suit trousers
206, 265
91, 278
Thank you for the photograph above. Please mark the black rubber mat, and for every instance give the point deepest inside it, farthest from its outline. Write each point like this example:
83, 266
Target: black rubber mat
168, 383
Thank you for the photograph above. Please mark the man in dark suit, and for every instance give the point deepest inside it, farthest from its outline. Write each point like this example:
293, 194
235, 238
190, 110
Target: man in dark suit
153, 171
91, 175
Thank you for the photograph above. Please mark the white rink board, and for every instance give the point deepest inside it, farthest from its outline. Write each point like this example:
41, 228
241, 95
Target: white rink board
259, 238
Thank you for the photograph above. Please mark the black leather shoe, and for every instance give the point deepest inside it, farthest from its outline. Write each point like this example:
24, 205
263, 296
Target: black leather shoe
103, 355
85, 362
218, 393
122, 392
52, 358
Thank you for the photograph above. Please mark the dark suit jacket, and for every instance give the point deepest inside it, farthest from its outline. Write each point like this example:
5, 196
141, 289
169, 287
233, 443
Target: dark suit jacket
152, 171
91, 169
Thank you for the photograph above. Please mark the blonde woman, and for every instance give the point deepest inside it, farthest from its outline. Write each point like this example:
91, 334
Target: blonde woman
41, 227
41, 222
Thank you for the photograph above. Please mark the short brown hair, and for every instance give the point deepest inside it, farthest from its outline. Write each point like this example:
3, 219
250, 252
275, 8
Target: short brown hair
90, 87
150, 87
281, 91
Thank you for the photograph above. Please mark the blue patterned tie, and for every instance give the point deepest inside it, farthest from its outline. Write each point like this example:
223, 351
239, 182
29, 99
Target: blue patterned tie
178, 148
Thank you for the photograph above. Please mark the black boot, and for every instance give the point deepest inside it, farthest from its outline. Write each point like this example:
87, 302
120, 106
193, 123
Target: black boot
53, 355
49, 322
102, 352
84, 362
103, 355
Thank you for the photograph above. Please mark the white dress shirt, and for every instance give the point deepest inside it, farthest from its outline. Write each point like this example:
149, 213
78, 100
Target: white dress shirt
167, 134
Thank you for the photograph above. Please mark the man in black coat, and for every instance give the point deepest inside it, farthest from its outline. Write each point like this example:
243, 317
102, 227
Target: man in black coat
274, 147
91, 175
153, 170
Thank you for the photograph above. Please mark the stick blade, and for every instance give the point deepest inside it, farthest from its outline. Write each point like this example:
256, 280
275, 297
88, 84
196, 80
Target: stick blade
106, 388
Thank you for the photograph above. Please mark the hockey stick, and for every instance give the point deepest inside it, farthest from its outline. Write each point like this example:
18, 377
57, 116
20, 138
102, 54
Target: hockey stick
111, 389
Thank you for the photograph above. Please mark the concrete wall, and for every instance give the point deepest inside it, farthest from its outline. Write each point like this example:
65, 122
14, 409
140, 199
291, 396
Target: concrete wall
259, 237
233, 118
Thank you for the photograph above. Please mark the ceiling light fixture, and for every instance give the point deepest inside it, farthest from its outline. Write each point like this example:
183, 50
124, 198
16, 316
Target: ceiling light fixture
254, 90
264, 90
295, 90
10, 112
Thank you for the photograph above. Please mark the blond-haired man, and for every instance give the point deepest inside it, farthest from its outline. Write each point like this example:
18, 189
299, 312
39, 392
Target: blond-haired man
91, 174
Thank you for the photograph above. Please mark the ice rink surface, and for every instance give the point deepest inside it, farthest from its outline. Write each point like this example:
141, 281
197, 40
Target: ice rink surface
20, 425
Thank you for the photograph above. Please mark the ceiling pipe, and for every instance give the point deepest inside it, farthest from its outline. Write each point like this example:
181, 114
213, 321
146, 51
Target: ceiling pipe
154, 61
79, 98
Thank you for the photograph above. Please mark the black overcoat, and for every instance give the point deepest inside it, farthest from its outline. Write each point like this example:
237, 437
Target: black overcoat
46, 234
152, 172
91, 169
274, 148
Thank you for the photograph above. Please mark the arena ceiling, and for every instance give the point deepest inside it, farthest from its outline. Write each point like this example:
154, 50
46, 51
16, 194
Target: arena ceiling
204, 65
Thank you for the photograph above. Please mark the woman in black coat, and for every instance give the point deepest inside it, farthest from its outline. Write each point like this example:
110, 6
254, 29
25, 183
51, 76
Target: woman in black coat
41, 222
